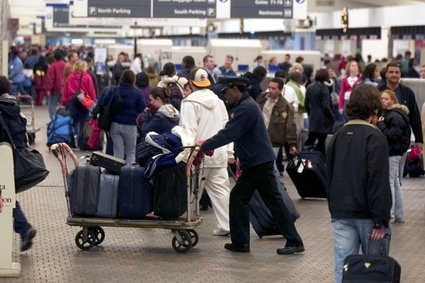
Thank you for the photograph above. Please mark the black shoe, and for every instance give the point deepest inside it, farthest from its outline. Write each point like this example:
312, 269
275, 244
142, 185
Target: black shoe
290, 250
203, 207
26, 242
233, 248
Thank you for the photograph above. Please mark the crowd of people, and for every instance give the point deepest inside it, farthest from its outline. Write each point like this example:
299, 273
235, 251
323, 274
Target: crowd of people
366, 108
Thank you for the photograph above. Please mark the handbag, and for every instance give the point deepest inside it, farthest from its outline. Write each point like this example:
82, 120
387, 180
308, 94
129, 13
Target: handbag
106, 113
29, 167
76, 101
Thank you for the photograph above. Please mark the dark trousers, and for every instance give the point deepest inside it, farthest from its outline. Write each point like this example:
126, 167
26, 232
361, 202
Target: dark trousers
262, 179
321, 139
20, 223
79, 119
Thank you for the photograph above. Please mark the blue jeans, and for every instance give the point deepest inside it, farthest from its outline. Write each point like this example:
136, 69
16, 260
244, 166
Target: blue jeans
397, 197
124, 140
20, 223
349, 236
54, 100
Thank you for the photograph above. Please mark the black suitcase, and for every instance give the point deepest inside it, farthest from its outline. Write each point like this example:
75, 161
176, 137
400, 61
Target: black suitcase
83, 185
260, 216
368, 269
170, 200
135, 197
111, 163
308, 173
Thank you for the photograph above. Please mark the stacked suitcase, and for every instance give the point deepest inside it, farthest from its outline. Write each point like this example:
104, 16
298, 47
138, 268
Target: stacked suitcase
120, 191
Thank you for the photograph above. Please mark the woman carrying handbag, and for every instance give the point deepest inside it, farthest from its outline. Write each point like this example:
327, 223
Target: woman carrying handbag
15, 127
78, 82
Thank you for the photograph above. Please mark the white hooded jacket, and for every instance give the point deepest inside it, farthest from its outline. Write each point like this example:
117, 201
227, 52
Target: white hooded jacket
202, 115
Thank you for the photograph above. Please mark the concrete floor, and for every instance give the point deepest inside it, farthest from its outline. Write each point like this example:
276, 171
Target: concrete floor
146, 255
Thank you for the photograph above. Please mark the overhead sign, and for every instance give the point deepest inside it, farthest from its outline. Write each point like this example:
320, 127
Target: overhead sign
261, 9
61, 16
221, 9
184, 8
119, 9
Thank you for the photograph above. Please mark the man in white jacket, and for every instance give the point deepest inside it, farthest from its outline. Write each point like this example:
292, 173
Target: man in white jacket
202, 115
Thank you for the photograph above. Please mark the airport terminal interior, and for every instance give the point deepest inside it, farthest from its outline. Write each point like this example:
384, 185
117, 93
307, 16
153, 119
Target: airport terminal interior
98, 42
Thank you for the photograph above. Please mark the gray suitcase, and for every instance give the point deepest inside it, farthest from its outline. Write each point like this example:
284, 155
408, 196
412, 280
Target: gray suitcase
83, 184
108, 196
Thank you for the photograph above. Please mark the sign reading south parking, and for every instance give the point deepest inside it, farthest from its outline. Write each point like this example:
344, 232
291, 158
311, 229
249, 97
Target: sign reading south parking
281, 9
119, 8
184, 8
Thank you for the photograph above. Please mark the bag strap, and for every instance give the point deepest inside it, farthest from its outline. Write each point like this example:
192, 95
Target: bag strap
6, 129
79, 83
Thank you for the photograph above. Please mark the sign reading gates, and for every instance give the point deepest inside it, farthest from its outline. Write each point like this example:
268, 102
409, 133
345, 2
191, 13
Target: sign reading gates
262, 9
119, 8
184, 8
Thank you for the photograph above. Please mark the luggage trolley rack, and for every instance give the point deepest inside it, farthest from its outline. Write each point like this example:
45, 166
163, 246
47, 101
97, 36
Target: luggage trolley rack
27, 108
92, 234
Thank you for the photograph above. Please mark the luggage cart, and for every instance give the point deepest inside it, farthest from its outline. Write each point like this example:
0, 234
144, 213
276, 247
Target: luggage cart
26, 104
92, 234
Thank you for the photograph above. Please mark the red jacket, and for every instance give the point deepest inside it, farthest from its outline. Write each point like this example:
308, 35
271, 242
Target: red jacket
54, 78
345, 87
72, 85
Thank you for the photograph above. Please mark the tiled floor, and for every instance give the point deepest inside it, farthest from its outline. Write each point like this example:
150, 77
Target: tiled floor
146, 255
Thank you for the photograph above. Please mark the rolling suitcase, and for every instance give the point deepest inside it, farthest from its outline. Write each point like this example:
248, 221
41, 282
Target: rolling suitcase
111, 163
368, 269
260, 216
83, 183
171, 192
308, 173
135, 197
108, 196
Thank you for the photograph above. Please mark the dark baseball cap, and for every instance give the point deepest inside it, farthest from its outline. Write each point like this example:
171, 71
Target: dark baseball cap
232, 81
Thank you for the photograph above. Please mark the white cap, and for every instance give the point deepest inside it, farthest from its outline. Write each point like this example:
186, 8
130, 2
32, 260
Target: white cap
199, 77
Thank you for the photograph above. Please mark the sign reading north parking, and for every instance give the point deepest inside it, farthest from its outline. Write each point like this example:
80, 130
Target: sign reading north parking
281, 9
119, 8
184, 8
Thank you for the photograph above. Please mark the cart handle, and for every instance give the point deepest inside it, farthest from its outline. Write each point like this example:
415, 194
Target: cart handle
193, 153
60, 150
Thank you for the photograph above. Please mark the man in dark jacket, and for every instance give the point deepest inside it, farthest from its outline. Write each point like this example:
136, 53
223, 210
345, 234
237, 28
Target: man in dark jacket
359, 193
16, 124
255, 78
253, 147
405, 96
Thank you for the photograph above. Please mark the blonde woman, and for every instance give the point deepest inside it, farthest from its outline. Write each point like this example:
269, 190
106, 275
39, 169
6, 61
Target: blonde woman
348, 82
394, 123
79, 79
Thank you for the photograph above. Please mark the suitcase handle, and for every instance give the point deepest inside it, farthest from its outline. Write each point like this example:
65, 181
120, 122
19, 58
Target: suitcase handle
60, 151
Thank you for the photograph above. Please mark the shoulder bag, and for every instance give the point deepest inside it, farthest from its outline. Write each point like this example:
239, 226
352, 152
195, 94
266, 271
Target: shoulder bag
82, 101
29, 167
106, 113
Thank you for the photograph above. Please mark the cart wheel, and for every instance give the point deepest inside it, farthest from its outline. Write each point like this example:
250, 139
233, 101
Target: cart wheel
85, 242
99, 233
194, 236
182, 242
31, 138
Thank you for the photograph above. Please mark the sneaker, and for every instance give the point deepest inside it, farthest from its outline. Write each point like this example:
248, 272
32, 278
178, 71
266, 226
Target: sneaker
233, 248
400, 220
26, 242
290, 250
221, 232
